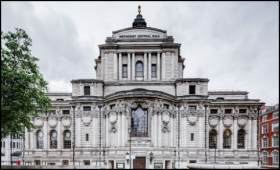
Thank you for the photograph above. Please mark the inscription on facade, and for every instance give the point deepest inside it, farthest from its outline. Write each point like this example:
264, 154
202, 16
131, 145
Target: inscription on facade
139, 36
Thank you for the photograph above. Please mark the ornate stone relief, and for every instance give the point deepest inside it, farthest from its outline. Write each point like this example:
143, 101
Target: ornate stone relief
52, 121
113, 118
66, 121
165, 120
140, 143
227, 121
192, 118
213, 121
241, 122
87, 118
38, 122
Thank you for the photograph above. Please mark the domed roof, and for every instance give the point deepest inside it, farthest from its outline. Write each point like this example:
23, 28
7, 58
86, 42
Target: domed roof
139, 21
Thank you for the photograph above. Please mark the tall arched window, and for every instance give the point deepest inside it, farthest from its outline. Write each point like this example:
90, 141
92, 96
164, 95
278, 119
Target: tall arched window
241, 139
264, 158
227, 139
139, 122
53, 137
40, 140
213, 139
67, 139
139, 69
275, 158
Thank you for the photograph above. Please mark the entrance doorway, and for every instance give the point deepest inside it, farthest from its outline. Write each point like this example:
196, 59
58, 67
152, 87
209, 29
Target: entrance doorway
139, 163
65, 162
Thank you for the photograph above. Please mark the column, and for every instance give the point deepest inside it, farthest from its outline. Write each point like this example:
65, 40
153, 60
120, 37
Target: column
95, 129
123, 129
158, 66
107, 130
149, 66
128, 66
105, 65
59, 134
46, 141
115, 66
145, 66
221, 134
234, 133
79, 131
119, 129
159, 129
249, 131
155, 129
171, 131
26, 139
201, 130
133, 66
172, 65
163, 66
32, 139
120, 66
254, 134
183, 131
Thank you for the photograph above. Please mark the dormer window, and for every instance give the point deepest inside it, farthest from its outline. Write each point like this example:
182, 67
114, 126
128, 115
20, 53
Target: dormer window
86, 90
192, 89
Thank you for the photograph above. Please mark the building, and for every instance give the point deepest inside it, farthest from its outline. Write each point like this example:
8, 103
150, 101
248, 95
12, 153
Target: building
11, 150
141, 112
269, 136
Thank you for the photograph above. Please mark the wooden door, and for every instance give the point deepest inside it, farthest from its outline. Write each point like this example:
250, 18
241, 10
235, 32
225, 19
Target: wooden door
139, 163
65, 162
37, 162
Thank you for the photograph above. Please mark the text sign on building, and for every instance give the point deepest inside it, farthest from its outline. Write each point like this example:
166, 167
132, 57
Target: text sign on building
140, 36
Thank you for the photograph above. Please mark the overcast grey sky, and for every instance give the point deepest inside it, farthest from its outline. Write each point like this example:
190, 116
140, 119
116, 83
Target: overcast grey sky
234, 44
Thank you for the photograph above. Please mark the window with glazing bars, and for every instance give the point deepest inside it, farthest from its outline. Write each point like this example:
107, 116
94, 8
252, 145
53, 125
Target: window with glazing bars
264, 142
213, 111
241, 139
275, 158
213, 139
154, 70
275, 141
264, 159
67, 139
139, 69
124, 71
227, 139
87, 108
53, 137
86, 90
65, 111
139, 123
40, 140
227, 110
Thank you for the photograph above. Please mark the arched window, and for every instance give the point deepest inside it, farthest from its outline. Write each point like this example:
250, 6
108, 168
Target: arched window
67, 139
264, 158
213, 139
139, 122
275, 158
227, 139
40, 140
241, 139
53, 137
139, 69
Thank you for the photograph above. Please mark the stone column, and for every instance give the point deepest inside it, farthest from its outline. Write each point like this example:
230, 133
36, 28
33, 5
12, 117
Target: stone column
249, 135
46, 135
158, 66
59, 133
171, 131
163, 66
128, 66
115, 66
172, 65
27, 139
159, 129
107, 130
79, 131
105, 65
254, 134
120, 66
145, 66
119, 129
133, 66
183, 131
155, 130
201, 130
95, 132
32, 138
149, 66
123, 129
221, 127
234, 133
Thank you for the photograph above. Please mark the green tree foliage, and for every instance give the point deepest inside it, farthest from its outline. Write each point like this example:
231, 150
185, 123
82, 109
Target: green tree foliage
23, 89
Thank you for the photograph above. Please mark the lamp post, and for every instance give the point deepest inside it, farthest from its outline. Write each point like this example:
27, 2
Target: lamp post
129, 131
151, 157
205, 132
73, 134
99, 135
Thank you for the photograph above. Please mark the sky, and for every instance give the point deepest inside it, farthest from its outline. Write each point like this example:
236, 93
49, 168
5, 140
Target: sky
233, 44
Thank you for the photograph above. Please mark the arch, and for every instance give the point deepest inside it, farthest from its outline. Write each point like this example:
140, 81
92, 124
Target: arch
53, 139
275, 158
139, 69
67, 139
213, 139
139, 122
227, 139
241, 139
40, 139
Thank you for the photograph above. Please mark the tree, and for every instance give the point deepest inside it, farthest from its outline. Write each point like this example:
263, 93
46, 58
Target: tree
23, 88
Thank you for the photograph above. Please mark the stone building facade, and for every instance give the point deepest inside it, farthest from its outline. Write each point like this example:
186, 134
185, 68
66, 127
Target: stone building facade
140, 112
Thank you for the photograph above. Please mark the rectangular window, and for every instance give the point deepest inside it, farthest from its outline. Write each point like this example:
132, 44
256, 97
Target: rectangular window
86, 90
192, 136
51, 163
65, 111
87, 162
264, 142
87, 108
275, 126
213, 111
275, 115
228, 110
14, 144
242, 110
264, 129
154, 70
264, 118
86, 137
124, 71
192, 107
112, 106
17, 144
165, 106
192, 89
275, 140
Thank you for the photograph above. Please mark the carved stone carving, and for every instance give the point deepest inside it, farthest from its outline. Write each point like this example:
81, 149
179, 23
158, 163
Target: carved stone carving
113, 128
66, 122
227, 121
140, 143
113, 118
52, 121
213, 121
192, 118
38, 121
165, 117
87, 117
241, 122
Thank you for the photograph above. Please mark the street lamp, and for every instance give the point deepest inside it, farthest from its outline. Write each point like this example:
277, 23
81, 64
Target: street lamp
126, 157
205, 132
151, 157
73, 134
129, 131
